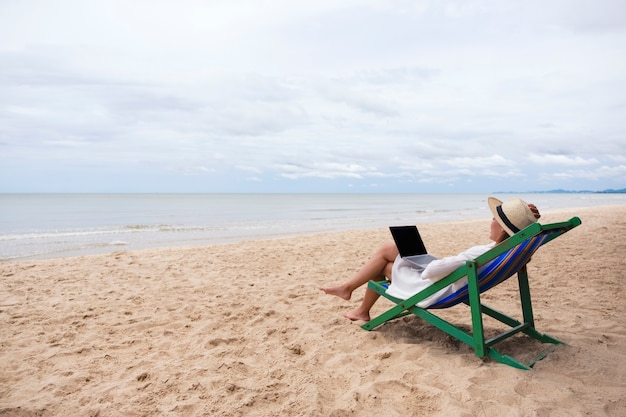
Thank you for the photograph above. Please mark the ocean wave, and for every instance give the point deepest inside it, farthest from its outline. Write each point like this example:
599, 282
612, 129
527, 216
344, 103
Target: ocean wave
55, 234
77, 233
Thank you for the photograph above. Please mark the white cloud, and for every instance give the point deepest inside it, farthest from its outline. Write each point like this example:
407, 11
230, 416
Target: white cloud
327, 170
249, 169
478, 162
561, 160
597, 174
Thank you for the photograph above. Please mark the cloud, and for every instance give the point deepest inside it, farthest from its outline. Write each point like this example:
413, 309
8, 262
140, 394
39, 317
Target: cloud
618, 158
249, 169
597, 174
562, 160
326, 170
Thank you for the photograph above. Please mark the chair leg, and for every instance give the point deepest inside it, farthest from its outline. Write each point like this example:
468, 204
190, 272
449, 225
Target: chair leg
524, 292
527, 310
506, 359
478, 331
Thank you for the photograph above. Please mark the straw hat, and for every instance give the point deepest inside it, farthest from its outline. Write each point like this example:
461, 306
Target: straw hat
513, 215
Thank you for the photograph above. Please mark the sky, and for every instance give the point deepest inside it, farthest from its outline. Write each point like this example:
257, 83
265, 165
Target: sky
312, 96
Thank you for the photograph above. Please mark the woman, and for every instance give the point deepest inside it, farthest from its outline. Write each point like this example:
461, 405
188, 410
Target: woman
508, 218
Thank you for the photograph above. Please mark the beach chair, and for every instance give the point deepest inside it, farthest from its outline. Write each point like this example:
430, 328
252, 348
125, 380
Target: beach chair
484, 272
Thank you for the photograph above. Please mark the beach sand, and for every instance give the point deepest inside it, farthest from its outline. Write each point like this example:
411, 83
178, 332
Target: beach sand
243, 330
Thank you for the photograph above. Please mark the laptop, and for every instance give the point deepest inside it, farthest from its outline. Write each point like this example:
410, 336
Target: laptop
411, 246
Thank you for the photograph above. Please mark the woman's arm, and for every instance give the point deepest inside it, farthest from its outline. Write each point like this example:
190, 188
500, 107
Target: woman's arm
441, 268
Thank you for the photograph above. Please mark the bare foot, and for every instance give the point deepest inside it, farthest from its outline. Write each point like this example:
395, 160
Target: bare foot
338, 291
356, 314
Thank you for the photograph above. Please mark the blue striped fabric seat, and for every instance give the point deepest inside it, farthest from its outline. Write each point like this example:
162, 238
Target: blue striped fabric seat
497, 270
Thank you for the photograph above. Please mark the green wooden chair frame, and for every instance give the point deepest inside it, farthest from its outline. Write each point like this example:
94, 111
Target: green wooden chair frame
525, 242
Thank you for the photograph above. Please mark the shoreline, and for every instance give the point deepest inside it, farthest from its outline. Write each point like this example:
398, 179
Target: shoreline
242, 329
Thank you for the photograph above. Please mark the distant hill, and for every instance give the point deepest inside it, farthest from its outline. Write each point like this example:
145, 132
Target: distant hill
609, 191
559, 191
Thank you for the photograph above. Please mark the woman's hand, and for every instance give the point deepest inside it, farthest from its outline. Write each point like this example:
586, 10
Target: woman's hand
535, 210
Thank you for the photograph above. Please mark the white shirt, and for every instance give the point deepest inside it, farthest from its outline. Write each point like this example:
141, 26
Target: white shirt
407, 280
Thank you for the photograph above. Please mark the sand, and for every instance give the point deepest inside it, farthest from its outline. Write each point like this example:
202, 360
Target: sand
243, 330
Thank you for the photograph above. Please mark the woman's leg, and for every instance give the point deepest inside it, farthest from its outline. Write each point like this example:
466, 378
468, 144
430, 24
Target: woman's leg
362, 312
376, 268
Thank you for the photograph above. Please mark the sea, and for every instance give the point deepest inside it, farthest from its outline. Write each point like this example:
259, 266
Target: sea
39, 226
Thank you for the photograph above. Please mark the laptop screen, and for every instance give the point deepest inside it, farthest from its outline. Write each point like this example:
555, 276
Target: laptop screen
408, 240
